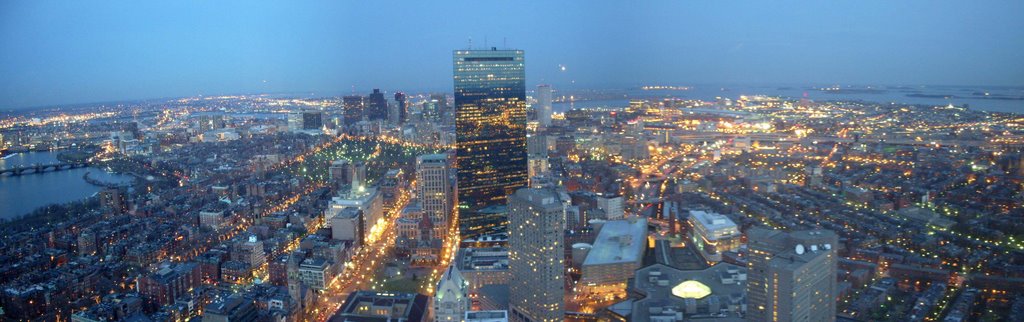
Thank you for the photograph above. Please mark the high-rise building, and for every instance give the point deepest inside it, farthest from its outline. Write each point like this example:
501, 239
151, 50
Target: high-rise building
377, 106
442, 104
357, 173
451, 297
536, 255
791, 276
339, 173
356, 211
309, 120
431, 111
401, 109
354, 106
544, 105
538, 165
113, 200
312, 120
490, 129
434, 190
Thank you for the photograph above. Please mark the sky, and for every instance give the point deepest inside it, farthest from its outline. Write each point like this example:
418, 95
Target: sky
67, 52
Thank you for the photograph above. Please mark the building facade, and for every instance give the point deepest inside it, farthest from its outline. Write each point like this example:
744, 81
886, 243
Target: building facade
544, 105
713, 234
451, 297
434, 190
536, 255
490, 127
791, 275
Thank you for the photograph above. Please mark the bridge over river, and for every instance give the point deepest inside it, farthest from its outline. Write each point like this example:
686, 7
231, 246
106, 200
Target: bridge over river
41, 168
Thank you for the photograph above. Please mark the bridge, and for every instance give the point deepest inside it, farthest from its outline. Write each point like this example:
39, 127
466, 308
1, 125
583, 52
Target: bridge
40, 168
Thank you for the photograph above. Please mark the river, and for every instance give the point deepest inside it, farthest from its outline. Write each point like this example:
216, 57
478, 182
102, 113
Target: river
20, 195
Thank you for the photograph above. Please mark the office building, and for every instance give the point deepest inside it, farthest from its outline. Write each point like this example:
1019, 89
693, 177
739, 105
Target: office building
536, 255
451, 297
431, 111
367, 206
612, 205
543, 108
354, 105
312, 120
305, 121
401, 109
791, 275
616, 253
442, 102
348, 176
376, 106
490, 127
713, 234
434, 190
339, 173
537, 144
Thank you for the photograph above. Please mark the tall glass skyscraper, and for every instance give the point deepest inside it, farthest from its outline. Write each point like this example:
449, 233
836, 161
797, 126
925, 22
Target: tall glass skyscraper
490, 129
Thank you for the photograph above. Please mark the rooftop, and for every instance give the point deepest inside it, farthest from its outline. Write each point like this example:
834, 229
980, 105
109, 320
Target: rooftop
619, 241
712, 221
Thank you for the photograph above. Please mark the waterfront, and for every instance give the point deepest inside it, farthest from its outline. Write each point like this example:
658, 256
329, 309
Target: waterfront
20, 195
959, 95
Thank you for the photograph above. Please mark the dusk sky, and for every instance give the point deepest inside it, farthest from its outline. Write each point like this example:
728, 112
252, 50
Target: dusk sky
64, 52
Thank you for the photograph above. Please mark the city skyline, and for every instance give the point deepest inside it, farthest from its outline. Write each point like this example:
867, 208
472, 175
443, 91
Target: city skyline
60, 54
527, 191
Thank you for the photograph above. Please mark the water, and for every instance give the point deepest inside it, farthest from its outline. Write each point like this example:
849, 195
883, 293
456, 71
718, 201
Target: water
962, 95
20, 195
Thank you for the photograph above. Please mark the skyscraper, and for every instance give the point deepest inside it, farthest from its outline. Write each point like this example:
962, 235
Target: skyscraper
377, 106
442, 103
354, 106
434, 190
490, 127
431, 111
536, 255
791, 276
401, 109
312, 120
544, 105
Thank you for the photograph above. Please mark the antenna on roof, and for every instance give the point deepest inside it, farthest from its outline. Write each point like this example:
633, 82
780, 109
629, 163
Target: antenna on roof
470, 43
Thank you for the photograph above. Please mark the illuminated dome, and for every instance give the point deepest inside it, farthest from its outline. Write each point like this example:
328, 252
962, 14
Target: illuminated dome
691, 290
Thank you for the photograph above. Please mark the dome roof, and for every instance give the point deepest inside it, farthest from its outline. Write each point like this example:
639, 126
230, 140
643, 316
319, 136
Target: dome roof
691, 290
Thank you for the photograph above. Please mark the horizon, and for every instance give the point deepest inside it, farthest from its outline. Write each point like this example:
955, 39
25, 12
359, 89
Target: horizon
530, 89
59, 54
